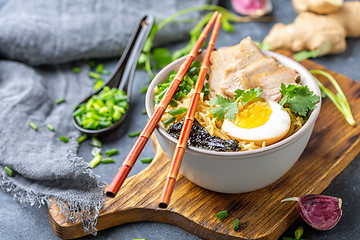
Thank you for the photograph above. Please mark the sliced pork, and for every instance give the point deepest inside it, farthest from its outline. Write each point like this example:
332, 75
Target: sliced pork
244, 66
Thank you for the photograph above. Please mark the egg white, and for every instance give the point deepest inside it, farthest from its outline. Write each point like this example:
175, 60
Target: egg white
270, 132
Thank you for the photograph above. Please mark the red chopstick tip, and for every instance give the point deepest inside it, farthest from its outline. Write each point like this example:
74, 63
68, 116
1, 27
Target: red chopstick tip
118, 181
163, 205
110, 194
167, 191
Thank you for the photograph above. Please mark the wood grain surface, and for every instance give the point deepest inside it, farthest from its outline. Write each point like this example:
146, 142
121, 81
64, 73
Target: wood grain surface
333, 145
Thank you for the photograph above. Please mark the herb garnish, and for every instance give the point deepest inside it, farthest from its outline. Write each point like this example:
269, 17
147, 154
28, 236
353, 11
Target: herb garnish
339, 99
299, 98
228, 108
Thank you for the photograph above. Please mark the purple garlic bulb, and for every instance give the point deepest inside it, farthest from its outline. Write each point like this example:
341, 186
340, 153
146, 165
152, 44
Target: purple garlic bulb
252, 7
319, 211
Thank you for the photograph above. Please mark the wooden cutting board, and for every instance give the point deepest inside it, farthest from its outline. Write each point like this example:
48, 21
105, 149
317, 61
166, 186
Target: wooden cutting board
333, 145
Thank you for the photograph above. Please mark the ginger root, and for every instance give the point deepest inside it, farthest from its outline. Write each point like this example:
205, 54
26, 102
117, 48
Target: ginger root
325, 33
317, 6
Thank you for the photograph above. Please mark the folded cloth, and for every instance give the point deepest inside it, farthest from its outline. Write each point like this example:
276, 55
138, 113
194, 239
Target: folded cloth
51, 32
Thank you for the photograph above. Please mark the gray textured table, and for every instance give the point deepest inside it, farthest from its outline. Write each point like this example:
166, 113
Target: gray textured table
19, 222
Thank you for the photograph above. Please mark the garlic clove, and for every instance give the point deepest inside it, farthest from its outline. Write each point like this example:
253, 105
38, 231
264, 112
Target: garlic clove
319, 211
252, 7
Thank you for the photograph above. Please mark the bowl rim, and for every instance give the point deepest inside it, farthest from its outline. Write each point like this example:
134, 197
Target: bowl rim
273, 147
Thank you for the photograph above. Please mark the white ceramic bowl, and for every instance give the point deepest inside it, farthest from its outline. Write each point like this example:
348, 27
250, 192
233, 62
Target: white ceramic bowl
237, 172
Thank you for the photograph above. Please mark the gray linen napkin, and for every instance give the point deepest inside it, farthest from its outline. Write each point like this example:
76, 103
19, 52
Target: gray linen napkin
51, 32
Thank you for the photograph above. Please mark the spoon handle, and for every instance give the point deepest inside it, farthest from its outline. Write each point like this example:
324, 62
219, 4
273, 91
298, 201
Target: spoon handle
125, 68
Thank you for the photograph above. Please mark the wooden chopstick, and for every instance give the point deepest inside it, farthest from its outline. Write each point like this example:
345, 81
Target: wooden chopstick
140, 143
188, 122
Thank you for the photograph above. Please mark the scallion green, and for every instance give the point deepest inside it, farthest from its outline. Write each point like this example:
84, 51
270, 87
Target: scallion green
178, 111
95, 161
91, 63
144, 89
60, 100
111, 152
134, 134
95, 142
100, 68
95, 151
50, 127
144, 111
9, 171
95, 75
76, 69
299, 232
64, 139
236, 224
103, 109
82, 138
146, 160
98, 84
106, 72
107, 160
339, 100
221, 215
170, 120
33, 125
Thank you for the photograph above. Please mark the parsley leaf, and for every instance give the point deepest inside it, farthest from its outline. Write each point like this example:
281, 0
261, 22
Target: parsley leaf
228, 108
248, 95
300, 98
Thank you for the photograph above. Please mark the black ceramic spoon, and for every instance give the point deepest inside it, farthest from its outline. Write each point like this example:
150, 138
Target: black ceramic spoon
123, 74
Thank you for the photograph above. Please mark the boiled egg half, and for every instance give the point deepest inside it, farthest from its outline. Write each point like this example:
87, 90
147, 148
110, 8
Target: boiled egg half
258, 122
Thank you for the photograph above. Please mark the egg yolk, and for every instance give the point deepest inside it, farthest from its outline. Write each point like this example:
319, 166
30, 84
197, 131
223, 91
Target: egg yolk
253, 115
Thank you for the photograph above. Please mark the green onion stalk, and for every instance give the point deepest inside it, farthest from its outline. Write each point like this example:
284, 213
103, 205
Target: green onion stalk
339, 99
228, 17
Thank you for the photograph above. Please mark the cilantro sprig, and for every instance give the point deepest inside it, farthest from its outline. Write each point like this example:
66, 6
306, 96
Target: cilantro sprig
228, 108
299, 98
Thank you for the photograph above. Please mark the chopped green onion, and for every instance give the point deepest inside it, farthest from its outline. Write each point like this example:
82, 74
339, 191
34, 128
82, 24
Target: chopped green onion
170, 120
106, 72
8, 171
144, 111
173, 103
64, 139
60, 100
95, 161
50, 127
82, 138
221, 215
95, 151
236, 224
178, 111
76, 69
98, 84
134, 134
111, 152
263, 46
146, 160
95, 75
100, 68
79, 111
91, 63
103, 109
301, 56
107, 160
144, 89
95, 142
33, 125
299, 232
